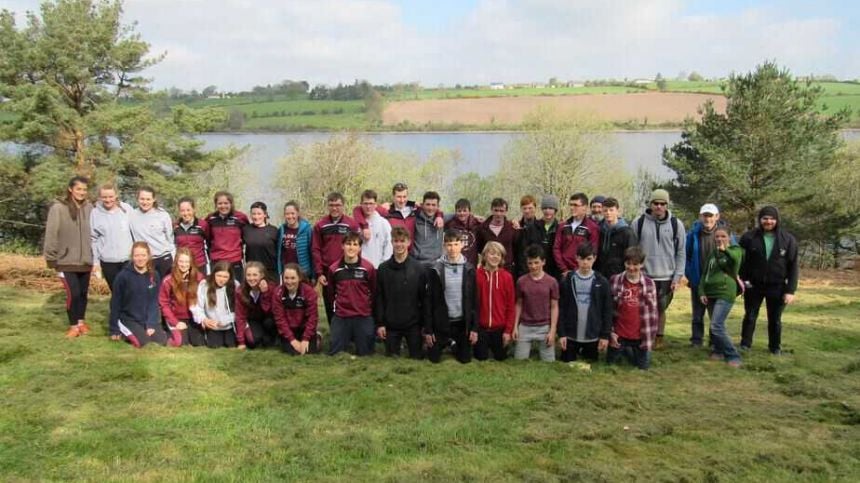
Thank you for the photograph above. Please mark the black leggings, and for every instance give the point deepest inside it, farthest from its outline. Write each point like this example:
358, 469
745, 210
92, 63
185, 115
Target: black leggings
110, 270
490, 341
263, 333
77, 285
135, 333
163, 265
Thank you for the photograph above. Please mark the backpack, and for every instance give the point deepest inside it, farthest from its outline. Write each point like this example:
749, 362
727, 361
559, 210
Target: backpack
674, 221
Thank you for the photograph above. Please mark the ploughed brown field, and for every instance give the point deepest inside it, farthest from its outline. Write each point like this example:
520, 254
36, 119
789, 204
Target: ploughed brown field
656, 108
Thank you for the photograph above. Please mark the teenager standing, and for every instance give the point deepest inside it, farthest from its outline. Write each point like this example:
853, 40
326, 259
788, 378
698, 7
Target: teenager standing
151, 224
68, 250
110, 232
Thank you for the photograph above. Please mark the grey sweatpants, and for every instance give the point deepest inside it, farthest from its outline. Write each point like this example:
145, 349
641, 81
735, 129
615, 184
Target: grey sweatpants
528, 334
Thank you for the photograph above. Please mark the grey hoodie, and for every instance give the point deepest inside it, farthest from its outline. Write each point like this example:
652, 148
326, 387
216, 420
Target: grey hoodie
427, 246
110, 232
155, 228
665, 258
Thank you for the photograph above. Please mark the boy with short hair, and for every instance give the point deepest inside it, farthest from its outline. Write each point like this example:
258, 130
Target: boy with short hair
449, 313
467, 224
636, 320
377, 248
353, 281
585, 312
497, 228
536, 311
616, 236
327, 245
575, 231
400, 294
427, 233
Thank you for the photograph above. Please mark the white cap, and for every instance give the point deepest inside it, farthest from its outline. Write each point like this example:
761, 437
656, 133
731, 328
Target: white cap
709, 208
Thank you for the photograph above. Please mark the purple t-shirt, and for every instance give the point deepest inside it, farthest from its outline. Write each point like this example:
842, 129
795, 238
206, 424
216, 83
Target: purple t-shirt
536, 297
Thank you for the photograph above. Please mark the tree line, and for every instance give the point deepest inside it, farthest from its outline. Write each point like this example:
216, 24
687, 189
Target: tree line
66, 72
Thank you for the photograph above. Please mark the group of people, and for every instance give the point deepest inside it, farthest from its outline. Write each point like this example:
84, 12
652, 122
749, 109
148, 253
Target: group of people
404, 273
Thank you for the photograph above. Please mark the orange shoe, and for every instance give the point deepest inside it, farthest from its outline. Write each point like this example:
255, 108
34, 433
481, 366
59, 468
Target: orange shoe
83, 328
74, 331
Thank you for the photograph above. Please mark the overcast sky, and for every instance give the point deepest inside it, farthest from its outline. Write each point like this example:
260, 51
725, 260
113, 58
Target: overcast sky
237, 44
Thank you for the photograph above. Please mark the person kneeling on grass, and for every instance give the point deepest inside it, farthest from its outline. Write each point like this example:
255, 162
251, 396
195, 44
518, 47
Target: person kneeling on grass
177, 294
296, 313
449, 313
134, 302
636, 321
401, 283
354, 283
255, 325
495, 290
214, 309
536, 308
718, 289
585, 312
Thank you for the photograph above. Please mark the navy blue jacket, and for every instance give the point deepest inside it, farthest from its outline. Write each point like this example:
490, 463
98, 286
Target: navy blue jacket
135, 297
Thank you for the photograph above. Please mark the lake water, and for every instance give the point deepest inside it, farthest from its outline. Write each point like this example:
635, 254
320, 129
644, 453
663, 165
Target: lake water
480, 152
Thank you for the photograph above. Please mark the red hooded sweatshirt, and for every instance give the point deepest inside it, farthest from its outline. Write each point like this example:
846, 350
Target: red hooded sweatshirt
496, 298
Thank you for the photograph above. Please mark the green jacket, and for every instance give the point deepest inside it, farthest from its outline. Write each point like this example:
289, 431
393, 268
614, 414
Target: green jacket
720, 274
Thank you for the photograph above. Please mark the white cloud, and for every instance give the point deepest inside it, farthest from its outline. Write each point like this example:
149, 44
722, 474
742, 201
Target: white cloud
236, 44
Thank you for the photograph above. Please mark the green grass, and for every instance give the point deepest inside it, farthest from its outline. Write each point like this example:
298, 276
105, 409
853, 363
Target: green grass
95, 410
518, 92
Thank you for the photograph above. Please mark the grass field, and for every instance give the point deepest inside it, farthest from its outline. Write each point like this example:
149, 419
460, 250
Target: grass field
95, 410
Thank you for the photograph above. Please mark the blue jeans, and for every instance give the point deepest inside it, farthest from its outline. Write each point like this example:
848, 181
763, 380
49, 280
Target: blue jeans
718, 311
631, 351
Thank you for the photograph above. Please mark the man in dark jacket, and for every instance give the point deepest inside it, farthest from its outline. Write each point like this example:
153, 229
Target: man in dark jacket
770, 273
616, 236
540, 232
450, 310
400, 293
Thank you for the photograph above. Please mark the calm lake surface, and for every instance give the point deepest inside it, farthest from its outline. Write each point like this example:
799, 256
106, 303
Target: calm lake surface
480, 152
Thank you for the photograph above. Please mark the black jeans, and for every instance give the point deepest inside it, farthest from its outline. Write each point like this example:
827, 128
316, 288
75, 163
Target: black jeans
491, 341
394, 340
753, 297
576, 350
457, 340
358, 330
77, 286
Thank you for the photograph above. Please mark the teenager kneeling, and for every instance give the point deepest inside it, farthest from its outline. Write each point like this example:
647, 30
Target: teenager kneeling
255, 326
214, 310
134, 304
296, 312
177, 295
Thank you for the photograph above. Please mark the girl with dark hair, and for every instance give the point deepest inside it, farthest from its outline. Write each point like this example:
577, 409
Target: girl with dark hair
255, 326
191, 232
177, 294
151, 224
296, 313
294, 241
134, 303
68, 250
261, 238
214, 309
225, 233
